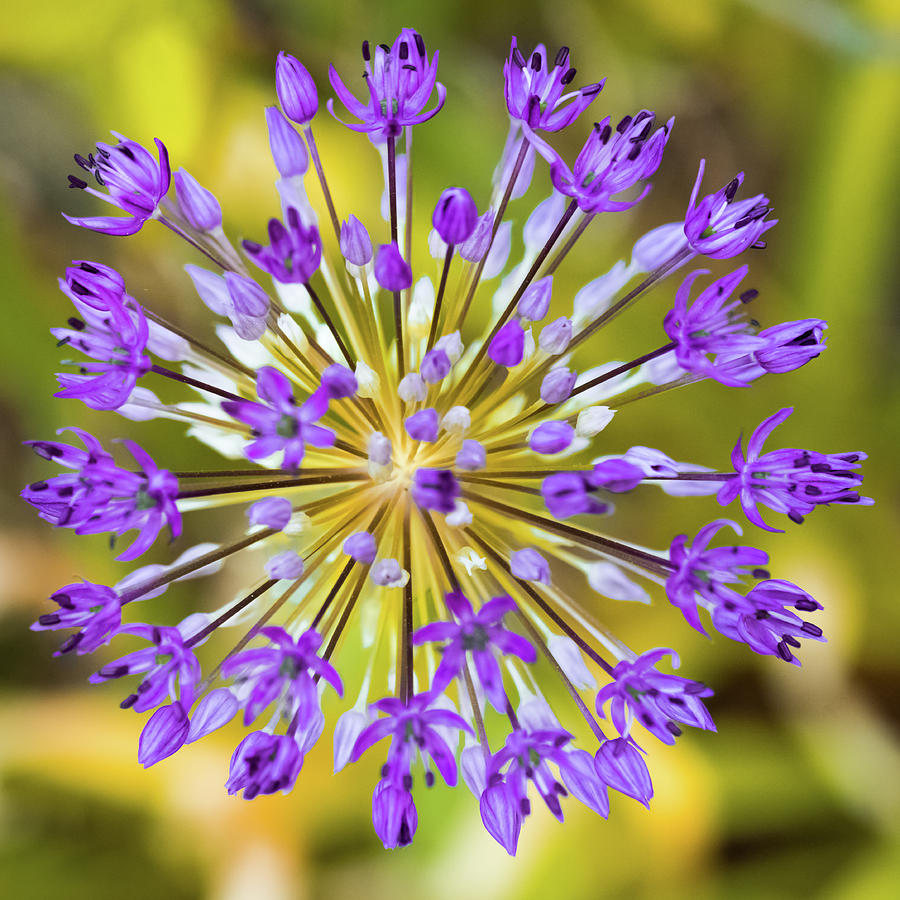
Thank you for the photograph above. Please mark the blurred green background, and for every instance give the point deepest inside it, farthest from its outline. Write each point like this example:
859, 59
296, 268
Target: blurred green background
799, 793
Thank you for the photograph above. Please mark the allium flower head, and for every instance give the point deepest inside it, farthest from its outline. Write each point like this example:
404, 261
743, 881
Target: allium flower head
421, 461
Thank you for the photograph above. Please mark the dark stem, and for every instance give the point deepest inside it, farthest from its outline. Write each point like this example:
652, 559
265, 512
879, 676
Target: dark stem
234, 610
407, 610
498, 218
436, 315
612, 548
331, 326
398, 302
274, 485
314, 153
569, 244
510, 307
192, 241
193, 382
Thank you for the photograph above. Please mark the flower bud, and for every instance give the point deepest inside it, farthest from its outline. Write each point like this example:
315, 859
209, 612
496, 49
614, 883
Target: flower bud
471, 457
435, 366
530, 565
556, 336
392, 271
535, 300
285, 565
557, 385
288, 149
455, 216
508, 346
361, 547
273, 512
356, 246
199, 205
551, 437
296, 90
423, 425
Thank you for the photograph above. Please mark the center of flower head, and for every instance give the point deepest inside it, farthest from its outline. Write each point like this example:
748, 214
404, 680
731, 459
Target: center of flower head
143, 500
475, 638
287, 426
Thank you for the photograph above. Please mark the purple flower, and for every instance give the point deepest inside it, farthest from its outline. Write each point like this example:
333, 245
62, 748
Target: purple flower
95, 284
288, 150
656, 700
284, 671
720, 228
112, 330
168, 662
793, 482
393, 815
791, 345
248, 308
612, 161
356, 245
479, 634
296, 90
435, 489
95, 609
710, 325
620, 765
413, 728
338, 382
534, 91
392, 271
455, 216
551, 437
294, 252
508, 345
707, 572
764, 623
278, 423
199, 205
527, 756
135, 182
569, 494
99, 496
435, 366
400, 80
264, 763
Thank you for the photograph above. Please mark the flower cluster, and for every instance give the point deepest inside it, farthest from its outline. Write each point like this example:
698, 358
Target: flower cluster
417, 491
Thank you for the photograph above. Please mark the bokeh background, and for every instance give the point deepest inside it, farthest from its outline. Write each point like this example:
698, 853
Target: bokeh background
799, 792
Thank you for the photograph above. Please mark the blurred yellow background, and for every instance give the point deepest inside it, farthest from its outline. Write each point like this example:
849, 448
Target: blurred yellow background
799, 792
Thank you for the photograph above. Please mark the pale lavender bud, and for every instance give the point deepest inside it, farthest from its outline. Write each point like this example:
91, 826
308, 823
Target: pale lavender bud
501, 816
474, 771
423, 425
288, 148
199, 205
557, 385
388, 573
472, 456
285, 565
457, 420
273, 512
508, 346
535, 300
476, 246
658, 246
556, 336
296, 90
617, 475
452, 345
551, 437
530, 565
361, 547
356, 246
565, 651
499, 252
247, 297
216, 709
455, 216
543, 220
412, 388
212, 289
380, 449
435, 366
392, 271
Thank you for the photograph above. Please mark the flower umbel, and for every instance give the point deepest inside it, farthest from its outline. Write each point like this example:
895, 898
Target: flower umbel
423, 492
